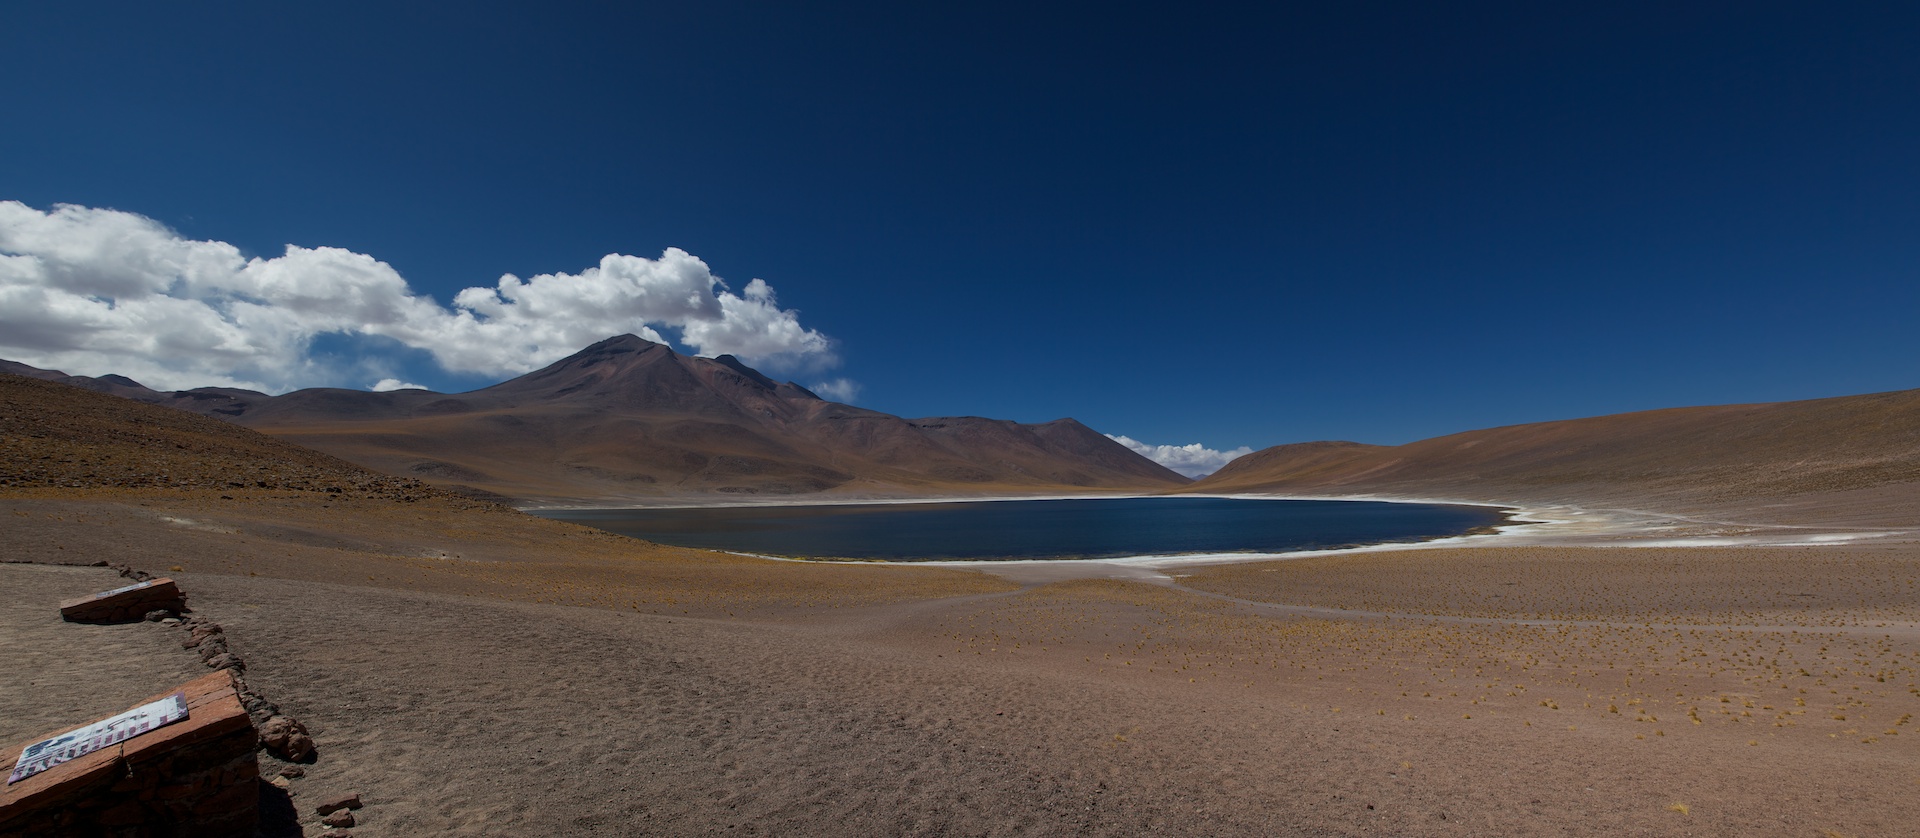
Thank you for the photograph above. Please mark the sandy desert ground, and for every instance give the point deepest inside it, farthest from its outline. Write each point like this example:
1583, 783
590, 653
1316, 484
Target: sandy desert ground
473, 671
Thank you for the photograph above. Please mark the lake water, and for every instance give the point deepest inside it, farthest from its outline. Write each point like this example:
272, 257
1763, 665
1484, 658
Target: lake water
1039, 529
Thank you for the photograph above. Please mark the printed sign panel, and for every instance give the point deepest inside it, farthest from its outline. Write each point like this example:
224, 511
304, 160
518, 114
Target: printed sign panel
74, 744
133, 587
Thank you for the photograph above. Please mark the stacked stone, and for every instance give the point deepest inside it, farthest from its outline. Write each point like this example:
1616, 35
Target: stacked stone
281, 735
206, 637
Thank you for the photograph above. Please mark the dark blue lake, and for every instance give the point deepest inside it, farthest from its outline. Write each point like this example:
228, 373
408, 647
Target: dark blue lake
1039, 529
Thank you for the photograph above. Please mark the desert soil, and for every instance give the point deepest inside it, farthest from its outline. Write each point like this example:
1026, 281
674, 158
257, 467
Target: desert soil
473, 671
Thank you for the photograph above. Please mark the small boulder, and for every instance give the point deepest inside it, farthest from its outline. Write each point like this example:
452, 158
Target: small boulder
336, 803
287, 739
341, 819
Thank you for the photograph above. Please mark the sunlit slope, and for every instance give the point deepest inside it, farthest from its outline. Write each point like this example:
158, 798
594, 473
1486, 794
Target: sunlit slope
54, 436
1863, 450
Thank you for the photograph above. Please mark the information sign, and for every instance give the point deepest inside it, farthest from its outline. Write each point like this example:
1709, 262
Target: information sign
74, 744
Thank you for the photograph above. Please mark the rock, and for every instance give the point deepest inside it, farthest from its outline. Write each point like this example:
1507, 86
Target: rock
336, 833
287, 739
227, 661
340, 819
157, 615
259, 708
293, 772
281, 783
202, 634
335, 804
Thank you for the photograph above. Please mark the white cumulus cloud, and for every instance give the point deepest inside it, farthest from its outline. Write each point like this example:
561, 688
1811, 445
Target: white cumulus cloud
385, 385
93, 291
1192, 460
838, 390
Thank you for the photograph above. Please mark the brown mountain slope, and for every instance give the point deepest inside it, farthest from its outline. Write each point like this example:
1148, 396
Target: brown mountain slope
54, 436
1685, 458
629, 419
86, 477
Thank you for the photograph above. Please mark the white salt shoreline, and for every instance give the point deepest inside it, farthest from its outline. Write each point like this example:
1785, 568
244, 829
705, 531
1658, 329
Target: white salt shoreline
1556, 525
1539, 526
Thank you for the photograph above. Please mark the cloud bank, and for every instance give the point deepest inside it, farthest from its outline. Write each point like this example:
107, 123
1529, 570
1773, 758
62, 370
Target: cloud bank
1192, 460
92, 291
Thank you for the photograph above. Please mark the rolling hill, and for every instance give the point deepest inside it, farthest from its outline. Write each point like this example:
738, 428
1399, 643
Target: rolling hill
1852, 455
628, 419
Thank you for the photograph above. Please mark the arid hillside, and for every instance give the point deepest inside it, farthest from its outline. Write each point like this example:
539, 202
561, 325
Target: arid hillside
1854, 455
630, 419
53, 436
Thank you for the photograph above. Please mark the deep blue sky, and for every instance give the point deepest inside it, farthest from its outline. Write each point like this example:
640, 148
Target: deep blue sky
1234, 226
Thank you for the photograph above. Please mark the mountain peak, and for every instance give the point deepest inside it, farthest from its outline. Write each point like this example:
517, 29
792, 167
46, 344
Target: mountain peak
620, 344
589, 370
613, 348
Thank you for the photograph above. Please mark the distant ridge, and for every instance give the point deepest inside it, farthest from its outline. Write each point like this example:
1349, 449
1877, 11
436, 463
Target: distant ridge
1855, 456
59, 437
629, 419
